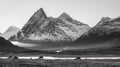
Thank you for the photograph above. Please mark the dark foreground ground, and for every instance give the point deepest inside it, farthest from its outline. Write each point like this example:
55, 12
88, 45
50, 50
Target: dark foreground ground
58, 63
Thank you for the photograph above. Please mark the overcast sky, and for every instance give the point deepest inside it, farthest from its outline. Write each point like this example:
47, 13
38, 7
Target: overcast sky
17, 12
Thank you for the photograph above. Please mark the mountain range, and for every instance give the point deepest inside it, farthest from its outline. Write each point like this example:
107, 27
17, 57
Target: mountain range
102, 39
43, 29
67, 34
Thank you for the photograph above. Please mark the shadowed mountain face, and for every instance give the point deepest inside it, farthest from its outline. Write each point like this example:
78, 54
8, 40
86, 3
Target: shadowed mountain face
10, 32
107, 31
41, 28
6, 46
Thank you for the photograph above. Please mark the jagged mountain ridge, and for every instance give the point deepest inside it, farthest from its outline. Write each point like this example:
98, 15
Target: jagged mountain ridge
106, 31
42, 28
102, 39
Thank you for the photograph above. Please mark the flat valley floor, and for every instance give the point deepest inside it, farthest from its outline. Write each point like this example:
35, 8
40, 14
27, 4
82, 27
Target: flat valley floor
59, 63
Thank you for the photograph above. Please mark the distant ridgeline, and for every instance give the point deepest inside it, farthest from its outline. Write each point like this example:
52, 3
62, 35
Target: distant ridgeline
107, 30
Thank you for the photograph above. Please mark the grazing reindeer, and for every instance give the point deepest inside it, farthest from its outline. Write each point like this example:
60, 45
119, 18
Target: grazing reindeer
13, 57
40, 57
14, 61
78, 58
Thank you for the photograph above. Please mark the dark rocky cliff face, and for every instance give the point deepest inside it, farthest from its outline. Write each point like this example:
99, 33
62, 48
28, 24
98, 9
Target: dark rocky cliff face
42, 28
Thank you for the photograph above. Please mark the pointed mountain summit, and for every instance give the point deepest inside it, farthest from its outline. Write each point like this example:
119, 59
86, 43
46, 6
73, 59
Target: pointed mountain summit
107, 25
35, 21
65, 16
45, 29
40, 13
104, 19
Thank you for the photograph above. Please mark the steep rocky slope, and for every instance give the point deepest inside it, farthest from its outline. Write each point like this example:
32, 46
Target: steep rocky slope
41, 28
107, 31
